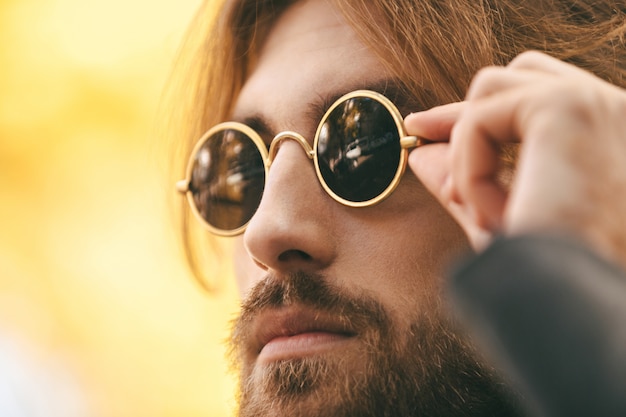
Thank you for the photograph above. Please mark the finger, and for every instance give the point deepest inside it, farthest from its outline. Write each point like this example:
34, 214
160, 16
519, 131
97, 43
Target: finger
430, 163
492, 80
475, 163
539, 61
434, 124
475, 151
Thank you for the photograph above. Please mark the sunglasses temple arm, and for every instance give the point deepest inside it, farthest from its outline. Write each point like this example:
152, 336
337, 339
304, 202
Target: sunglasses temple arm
182, 186
410, 142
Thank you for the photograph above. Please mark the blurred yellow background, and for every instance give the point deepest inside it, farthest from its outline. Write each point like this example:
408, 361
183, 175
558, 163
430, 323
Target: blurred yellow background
95, 299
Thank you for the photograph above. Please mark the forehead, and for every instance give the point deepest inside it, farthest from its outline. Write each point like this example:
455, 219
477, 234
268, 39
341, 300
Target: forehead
310, 53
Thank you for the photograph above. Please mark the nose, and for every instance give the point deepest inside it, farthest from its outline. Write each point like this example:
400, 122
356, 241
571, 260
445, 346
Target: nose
292, 230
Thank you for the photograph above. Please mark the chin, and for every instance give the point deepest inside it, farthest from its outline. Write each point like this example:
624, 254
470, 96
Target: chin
369, 378
330, 384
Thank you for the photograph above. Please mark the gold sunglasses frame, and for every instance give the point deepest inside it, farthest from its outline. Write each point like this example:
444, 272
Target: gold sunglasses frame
406, 143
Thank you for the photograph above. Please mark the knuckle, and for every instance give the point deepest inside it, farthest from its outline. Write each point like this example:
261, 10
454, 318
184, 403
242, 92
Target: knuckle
527, 59
483, 80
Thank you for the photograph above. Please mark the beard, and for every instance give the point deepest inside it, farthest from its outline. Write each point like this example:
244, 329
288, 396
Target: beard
428, 370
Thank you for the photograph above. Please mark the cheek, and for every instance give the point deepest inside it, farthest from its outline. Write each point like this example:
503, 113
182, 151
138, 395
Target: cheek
247, 273
401, 254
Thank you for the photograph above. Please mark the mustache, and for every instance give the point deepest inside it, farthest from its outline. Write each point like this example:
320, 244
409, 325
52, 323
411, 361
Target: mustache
360, 312
311, 290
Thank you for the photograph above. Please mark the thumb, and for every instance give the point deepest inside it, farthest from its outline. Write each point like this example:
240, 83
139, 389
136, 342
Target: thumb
430, 164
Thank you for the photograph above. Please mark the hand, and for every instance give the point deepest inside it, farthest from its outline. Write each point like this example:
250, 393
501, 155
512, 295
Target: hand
571, 170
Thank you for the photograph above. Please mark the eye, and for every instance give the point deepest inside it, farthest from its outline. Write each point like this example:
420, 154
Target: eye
359, 149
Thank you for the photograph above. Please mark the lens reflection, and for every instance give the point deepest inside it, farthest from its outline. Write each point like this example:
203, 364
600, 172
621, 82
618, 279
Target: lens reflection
227, 179
359, 149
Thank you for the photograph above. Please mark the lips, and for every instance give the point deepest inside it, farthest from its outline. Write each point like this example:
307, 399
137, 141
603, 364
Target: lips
293, 332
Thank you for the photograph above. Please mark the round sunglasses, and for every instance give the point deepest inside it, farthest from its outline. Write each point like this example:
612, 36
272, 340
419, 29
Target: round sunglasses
360, 151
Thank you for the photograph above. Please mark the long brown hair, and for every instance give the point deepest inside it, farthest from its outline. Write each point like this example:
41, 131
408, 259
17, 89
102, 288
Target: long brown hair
434, 46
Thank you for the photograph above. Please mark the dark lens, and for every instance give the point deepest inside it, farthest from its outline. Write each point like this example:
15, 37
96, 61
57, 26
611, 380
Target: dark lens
359, 149
227, 179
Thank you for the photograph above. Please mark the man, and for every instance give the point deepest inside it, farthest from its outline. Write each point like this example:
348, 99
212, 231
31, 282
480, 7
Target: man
344, 310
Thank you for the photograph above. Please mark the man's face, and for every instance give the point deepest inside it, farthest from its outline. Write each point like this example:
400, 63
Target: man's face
342, 309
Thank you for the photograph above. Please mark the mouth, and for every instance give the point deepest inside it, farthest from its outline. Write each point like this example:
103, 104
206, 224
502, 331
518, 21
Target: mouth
290, 333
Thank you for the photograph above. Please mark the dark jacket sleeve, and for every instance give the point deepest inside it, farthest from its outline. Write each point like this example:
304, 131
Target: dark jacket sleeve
552, 314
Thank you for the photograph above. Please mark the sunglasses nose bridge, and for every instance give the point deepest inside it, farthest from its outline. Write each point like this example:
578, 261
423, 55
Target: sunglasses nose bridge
278, 139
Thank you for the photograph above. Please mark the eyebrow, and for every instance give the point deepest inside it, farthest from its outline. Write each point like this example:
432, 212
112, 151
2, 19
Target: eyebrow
392, 88
259, 124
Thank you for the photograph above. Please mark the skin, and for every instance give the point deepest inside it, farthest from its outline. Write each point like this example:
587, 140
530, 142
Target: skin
390, 255
298, 227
